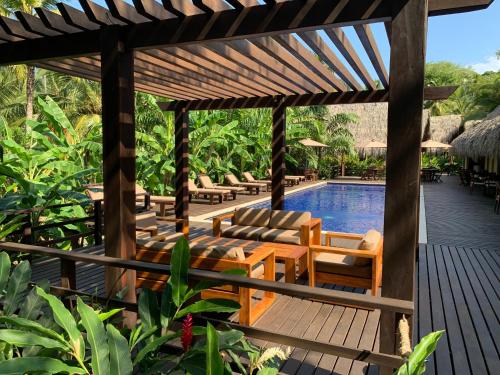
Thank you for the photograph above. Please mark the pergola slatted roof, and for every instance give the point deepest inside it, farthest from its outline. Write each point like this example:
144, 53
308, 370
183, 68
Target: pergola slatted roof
272, 60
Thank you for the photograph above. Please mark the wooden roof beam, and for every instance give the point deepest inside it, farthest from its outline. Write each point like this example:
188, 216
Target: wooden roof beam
268, 62
368, 40
226, 51
212, 5
318, 45
441, 7
221, 75
34, 24
347, 50
347, 97
152, 10
99, 14
125, 12
182, 8
263, 83
54, 21
289, 60
15, 28
74, 17
290, 43
161, 67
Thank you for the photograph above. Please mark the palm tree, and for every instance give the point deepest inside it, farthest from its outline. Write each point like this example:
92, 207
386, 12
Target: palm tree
7, 8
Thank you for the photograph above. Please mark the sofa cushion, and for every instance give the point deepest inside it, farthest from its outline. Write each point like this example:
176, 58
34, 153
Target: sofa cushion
341, 265
219, 252
255, 217
243, 232
346, 243
289, 219
154, 245
282, 236
369, 241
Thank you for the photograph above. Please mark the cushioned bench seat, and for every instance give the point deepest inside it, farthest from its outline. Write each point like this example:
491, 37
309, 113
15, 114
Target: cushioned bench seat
262, 224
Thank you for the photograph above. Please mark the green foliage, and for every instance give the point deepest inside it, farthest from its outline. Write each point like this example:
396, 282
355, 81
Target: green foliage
477, 94
415, 363
57, 340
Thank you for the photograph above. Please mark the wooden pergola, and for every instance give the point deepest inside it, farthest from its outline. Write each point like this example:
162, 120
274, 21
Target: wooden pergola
215, 54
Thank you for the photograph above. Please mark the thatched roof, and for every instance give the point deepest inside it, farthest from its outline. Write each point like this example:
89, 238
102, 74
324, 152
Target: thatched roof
443, 128
483, 139
372, 124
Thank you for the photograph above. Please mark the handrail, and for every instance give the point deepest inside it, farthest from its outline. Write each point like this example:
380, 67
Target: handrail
346, 351
294, 290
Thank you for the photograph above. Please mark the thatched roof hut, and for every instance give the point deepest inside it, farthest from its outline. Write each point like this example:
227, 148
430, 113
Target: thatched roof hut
372, 123
443, 128
483, 139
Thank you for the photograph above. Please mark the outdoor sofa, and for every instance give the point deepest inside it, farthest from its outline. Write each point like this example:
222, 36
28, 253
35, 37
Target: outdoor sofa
262, 224
348, 259
258, 264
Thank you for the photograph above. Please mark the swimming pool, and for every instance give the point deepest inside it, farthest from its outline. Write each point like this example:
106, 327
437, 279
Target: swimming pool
353, 208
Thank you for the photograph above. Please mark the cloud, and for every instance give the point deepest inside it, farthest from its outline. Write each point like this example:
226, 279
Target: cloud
491, 63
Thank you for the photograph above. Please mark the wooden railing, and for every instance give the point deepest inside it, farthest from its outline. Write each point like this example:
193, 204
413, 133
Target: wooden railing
68, 287
29, 230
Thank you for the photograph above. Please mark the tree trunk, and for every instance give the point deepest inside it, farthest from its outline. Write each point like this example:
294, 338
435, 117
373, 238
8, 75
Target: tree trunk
30, 91
342, 166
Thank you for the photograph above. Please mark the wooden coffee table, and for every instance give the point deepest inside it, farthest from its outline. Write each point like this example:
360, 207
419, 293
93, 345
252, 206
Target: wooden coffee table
294, 256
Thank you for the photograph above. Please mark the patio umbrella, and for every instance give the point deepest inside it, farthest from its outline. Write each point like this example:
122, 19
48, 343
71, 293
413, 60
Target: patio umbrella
312, 143
375, 144
435, 144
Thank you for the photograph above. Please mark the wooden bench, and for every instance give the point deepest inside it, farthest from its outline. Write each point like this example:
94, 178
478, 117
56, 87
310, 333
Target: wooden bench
259, 264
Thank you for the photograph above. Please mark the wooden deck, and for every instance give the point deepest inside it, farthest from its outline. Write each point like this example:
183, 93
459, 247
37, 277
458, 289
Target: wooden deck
457, 290
458, 218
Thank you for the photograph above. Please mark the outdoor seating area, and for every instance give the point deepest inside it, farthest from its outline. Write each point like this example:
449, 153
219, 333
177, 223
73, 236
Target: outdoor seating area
170, 200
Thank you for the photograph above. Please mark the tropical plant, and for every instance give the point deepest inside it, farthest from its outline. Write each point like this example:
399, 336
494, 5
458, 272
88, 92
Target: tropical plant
415, 363
41, 333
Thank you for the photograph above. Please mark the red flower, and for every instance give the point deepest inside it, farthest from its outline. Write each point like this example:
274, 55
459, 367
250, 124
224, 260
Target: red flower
187, 332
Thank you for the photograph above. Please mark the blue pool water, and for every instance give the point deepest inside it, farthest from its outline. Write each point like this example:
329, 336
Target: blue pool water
342, 207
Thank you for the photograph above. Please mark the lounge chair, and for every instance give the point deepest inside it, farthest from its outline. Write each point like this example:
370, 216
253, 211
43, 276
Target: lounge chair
249, 186
195, 191
249, 178
290, 180
353, 260
207, 183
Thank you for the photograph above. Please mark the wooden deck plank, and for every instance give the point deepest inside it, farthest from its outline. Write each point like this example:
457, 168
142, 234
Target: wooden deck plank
343, 365
367, 340
468, 332
452, 325
477, 326
442, 356
339, 335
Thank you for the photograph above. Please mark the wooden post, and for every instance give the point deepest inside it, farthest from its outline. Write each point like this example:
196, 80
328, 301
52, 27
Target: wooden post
182, 169
406, 96
278, 156
117, 73
98, 222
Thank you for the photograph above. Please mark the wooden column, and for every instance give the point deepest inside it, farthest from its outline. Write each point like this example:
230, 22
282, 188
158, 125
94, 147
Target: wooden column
406, 96
117, 66
278, 156
182, 169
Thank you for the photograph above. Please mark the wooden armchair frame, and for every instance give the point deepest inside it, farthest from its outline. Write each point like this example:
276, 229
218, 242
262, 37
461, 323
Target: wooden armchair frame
153, 229
249, 311
306, 239
357, 282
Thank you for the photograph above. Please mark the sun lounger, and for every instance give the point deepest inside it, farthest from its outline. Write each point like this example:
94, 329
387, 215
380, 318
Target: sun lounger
250, 186
291, 180
195, 191
207, 183
249, 178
